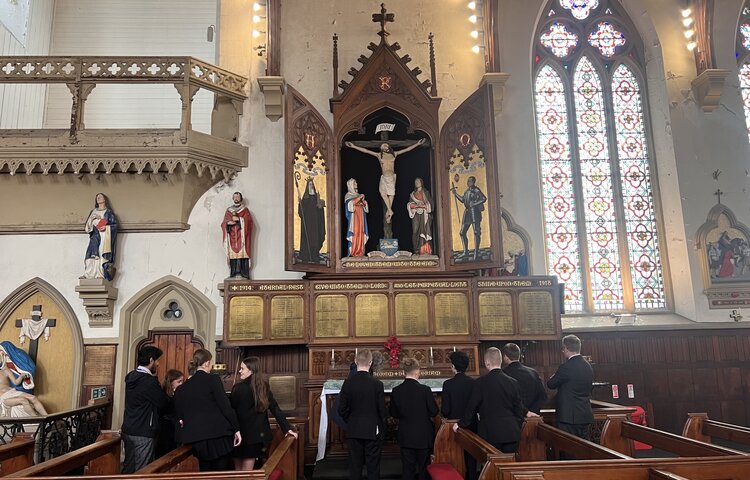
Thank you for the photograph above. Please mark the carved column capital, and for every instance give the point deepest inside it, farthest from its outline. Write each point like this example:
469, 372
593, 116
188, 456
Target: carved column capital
273, 93
708, 87
497, 82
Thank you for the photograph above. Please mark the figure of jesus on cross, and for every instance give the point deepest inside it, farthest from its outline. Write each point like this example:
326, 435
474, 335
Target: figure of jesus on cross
387, 157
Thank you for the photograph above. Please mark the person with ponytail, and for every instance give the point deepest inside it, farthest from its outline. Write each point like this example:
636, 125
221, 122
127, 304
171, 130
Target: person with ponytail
414, 406
252, 399
206, 418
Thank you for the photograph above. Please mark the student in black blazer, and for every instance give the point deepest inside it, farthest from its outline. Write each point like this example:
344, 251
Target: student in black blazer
497, 399
414, 406
252, 399
533, 394
573, 382
207, 420
362, 406
455, 398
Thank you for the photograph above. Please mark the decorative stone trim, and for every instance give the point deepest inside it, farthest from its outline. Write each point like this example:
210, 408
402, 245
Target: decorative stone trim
98, 297
273, 93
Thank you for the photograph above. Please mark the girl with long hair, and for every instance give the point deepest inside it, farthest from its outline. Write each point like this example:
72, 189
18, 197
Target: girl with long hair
252, 399
166, 442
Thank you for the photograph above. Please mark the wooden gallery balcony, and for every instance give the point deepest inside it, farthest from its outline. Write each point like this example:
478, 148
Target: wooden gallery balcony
153, 176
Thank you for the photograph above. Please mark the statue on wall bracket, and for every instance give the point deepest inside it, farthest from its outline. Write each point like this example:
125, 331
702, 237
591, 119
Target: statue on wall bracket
237, 229
101, 225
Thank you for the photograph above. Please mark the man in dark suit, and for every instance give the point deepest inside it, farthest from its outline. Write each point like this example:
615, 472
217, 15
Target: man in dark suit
414, 405
533, 394
573, 381
362, 406
497, 399
455, 398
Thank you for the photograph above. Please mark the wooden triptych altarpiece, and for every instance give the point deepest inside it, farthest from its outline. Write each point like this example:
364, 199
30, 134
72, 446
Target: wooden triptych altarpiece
428, 299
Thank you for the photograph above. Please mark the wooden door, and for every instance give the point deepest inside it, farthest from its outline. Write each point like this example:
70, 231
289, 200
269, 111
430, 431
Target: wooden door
178, 348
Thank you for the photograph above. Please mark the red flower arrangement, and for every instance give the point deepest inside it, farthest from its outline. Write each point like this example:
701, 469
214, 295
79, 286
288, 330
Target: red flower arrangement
394, 348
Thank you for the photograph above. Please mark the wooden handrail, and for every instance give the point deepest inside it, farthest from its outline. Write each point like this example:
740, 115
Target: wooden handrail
662, 475
121, 69
102, 457
283, 457
578, 447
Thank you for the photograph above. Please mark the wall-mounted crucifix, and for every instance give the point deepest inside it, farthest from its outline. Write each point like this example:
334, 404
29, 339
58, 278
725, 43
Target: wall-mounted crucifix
33, 328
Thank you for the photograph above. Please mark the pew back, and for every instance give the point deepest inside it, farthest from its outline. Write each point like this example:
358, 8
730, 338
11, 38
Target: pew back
18, 454
537, 436
699, 427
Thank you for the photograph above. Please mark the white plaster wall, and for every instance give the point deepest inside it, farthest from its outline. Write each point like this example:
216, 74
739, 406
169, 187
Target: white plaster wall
132, 28
22, 105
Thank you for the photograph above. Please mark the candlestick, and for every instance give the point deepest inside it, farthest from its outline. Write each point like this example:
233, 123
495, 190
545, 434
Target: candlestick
454, 348
356, 351
331, 354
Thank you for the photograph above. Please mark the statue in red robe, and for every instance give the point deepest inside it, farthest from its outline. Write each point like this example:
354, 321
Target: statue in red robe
356, 210
237, 229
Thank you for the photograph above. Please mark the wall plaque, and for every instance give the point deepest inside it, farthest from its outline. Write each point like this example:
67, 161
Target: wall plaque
331, 316
99, 364
495, 313
245, 318
371, 315
411, 314
535, 312
287, 316
451, 313
284, 388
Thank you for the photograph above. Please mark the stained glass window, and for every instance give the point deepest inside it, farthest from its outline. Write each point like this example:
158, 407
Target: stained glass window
580, 9
602, 233
606, 38
743, 57
559, 40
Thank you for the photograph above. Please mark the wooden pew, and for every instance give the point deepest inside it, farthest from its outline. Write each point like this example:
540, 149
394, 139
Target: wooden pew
180, 459
100, 458
18, 454
281, 465
537, 436
448, 452
699, 427
715, 468
618, 434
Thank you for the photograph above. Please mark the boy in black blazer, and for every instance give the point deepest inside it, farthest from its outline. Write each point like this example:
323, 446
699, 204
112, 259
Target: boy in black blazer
573, 381
455, 398
414, 405
362, 406
533, 394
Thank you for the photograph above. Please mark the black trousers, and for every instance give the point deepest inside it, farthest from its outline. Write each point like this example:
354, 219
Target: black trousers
510, 447
414, 463
221, 464
363, 452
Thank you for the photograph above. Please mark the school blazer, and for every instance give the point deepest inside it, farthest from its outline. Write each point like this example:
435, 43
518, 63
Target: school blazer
362, 406
533, 394
496, 397
204, 409
573, 381
414, 406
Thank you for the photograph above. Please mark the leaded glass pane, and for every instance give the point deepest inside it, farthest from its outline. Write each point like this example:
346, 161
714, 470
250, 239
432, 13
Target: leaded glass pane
557, 185
580, 9
598, 196
745, 88
637, 192
559, 40
606, 38
745, 32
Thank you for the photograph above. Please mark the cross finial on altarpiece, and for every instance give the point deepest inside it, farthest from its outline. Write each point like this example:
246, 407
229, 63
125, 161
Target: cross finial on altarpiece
719, 193
383, 18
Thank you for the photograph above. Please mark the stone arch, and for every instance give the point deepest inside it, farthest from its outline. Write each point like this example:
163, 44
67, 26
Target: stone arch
23, 293
515, 239
144, 313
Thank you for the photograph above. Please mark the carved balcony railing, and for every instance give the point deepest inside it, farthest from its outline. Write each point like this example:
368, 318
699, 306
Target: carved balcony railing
62, 432
182, 162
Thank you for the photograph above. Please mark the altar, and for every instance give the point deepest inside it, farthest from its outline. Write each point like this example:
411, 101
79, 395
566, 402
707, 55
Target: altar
333, 387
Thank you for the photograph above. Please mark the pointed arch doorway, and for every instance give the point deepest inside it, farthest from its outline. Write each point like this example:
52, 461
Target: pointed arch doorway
170, 314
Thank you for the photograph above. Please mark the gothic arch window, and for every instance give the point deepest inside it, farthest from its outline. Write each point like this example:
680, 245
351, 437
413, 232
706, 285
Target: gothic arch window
602, 233
743, 59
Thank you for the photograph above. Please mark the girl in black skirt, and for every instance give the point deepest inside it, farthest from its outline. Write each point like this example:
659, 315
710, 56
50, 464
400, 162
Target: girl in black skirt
252, 399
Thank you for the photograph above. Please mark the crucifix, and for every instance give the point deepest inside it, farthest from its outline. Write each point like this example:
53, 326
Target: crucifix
383, 18
35, 326
719, 193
